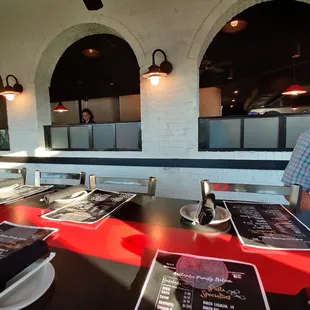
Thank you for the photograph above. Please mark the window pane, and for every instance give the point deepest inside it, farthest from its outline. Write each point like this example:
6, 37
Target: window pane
128, 136
103, 136
261, 132
295, 126
79, 137
225, 133
59, 138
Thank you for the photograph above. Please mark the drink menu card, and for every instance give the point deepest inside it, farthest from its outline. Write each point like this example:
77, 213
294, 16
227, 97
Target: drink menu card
14, 194
268, 226
95, 206
181, 281
14, 237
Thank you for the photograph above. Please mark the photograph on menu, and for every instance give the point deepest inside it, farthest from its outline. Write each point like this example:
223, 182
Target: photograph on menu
14, 237
95, 206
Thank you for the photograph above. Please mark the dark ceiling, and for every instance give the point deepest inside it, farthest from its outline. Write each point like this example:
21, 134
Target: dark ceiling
115, 72
261, 54
260, 57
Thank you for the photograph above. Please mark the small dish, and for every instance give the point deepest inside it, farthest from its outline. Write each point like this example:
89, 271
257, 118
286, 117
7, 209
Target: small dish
222, 215
74, 197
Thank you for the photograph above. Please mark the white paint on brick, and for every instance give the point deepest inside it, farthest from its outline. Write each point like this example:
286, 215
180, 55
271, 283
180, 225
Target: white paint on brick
33, 43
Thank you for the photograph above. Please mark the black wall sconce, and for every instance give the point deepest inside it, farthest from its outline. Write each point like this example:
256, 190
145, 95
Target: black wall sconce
9, 92
156, 72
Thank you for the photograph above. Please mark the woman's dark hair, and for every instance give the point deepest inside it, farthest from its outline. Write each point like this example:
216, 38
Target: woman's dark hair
88, 111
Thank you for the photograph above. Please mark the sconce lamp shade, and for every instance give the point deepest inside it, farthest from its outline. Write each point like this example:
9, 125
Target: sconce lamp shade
9, 92
60, 108
294, 90
156, 72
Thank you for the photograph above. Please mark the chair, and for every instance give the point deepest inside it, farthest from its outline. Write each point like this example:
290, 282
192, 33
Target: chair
150, 183
21, 172
60, 176
294, 191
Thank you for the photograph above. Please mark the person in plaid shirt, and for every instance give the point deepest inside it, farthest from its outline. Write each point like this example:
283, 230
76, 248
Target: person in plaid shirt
298, 169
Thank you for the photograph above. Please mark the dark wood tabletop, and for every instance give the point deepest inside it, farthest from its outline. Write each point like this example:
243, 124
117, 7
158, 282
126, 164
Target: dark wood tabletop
104, 265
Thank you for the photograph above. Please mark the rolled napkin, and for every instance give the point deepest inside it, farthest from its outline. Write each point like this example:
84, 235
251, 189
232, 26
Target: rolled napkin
9, 182
18, 260
64, 193
207, 211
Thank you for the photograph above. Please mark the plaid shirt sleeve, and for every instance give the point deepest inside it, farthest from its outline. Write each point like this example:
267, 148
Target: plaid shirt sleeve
298, 169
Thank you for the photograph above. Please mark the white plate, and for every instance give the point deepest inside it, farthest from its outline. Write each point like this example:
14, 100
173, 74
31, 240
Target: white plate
29, 290
25, 274
222, 215
74, 197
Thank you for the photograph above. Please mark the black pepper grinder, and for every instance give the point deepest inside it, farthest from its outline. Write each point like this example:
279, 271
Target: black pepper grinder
207, 211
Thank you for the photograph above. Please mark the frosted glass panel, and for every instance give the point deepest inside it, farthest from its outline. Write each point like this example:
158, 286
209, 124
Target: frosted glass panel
103, 136
127, 136
261, 132
225, 133
295, 126
4, 139
59, 137
79, 137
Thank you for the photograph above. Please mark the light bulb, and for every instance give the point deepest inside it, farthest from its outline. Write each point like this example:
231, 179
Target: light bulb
154, 79
10, 96
234, 23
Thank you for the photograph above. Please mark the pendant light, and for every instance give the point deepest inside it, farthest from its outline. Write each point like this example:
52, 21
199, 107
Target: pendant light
60, 108
235, 26
295, 89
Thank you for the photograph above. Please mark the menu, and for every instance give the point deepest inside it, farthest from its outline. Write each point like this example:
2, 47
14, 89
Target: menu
14, 194
268, 226
182, 281
95, 206
13, 236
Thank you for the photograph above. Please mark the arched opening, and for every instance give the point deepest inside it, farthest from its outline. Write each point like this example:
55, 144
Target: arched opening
246, 71
54, 48
98, 72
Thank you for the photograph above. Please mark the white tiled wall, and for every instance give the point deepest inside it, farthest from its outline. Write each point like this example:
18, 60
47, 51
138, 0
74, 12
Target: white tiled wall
33, 43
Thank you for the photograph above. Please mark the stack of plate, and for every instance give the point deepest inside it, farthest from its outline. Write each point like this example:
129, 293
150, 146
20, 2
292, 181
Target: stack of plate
29, 285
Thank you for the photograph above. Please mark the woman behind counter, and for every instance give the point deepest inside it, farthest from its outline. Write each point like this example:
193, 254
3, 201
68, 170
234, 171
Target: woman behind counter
87, 117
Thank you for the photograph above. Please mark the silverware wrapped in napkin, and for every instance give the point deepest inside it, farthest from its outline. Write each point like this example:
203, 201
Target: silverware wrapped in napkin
9, 182
207, 211
64, 193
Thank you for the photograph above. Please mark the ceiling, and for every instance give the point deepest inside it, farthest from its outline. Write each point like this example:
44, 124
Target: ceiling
261, 54
115, 72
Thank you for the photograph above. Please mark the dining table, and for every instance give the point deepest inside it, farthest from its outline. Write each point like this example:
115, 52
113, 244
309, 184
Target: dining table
104, 265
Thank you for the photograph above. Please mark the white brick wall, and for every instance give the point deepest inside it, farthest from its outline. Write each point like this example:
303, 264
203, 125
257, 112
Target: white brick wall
33, 37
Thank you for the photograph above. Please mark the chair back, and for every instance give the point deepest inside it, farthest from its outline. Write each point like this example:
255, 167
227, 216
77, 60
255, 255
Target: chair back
54, 178
20, 174
294, 191
149, 183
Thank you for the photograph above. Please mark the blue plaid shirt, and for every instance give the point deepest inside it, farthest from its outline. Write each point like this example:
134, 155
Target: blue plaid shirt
297, 171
